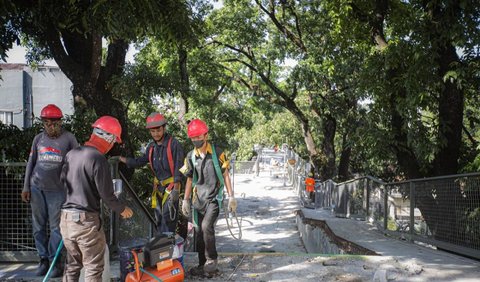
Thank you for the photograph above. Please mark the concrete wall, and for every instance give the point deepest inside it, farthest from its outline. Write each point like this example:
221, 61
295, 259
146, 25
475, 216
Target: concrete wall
11, 95
25, 92
315, 240
51, 86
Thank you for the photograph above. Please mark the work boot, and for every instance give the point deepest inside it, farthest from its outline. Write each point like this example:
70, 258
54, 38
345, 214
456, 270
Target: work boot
42, 267
57, 270
197, 271
211, 266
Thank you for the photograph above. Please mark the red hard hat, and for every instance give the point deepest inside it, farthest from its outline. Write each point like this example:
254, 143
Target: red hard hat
196, 128
111, 125
51, 111
155, 120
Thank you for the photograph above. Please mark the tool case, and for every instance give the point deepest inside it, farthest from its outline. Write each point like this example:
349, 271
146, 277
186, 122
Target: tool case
158, 249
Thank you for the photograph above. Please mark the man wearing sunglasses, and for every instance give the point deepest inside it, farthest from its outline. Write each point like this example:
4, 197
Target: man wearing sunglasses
43, 188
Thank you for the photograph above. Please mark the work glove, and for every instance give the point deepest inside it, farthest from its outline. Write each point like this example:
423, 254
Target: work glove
126, 213
174, 195
186, 207
232, 204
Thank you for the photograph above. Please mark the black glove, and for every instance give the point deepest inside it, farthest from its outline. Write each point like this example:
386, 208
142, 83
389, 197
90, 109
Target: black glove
174, 194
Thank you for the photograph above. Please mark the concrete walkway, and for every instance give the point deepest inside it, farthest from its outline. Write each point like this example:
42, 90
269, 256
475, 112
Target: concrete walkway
271, 247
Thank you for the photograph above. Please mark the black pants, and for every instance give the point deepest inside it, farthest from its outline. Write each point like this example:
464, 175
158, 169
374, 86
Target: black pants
205, 235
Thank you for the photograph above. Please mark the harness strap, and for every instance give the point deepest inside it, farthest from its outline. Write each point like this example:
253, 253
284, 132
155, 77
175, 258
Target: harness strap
218, 172
156, 192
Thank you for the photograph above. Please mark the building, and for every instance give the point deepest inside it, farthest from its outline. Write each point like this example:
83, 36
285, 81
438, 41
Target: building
24, 92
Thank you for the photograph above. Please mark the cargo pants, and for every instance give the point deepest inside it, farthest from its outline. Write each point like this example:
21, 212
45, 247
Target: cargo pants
85, 242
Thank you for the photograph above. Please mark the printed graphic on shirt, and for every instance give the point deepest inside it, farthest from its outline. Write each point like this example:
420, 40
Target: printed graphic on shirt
49, 158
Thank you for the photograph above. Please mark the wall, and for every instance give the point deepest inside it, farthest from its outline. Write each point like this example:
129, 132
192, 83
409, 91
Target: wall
25, 92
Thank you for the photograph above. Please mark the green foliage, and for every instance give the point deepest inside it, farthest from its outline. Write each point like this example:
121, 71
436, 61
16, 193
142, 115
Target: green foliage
15, 143
269, 130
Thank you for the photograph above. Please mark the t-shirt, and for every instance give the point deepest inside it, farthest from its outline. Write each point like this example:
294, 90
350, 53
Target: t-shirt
46, 159
207, 182
86, 176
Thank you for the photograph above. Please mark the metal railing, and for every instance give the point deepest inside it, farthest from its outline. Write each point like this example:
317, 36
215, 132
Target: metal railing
440, 211
16, 239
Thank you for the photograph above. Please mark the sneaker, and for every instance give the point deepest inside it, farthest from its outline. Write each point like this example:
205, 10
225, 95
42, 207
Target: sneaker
211, 266
42, 267
197, 271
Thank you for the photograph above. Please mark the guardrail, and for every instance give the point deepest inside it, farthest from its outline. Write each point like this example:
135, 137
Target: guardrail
440, 211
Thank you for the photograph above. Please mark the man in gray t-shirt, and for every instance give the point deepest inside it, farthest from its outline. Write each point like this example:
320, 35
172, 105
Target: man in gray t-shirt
42, 187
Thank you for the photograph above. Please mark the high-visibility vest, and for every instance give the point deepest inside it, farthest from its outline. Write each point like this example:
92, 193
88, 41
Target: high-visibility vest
309, 184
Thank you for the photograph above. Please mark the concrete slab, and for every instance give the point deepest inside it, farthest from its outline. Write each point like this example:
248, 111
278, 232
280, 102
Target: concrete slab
426, 262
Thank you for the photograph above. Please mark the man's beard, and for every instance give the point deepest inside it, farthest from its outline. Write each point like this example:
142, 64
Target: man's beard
54, 132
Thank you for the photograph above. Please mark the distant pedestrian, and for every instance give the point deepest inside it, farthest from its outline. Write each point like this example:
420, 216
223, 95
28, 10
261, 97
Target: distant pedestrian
165, 157
87, 179
206, 168
42, 187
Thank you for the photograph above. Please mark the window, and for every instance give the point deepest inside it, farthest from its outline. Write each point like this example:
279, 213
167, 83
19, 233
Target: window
6, 117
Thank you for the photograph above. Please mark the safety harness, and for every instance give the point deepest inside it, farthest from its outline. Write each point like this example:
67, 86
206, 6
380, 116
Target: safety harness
218, 171
156, 192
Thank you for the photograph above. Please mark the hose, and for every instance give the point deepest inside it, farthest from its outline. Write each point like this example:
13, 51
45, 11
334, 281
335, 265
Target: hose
151, 274
230, 224
233, 272
59, 250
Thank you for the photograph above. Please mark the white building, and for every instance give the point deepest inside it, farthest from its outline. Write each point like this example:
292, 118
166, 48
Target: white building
24, 92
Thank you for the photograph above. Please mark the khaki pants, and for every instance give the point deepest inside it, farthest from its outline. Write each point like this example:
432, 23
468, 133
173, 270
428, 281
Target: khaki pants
85, 242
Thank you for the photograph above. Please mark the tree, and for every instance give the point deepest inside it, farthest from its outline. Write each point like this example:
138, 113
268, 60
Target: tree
71, 32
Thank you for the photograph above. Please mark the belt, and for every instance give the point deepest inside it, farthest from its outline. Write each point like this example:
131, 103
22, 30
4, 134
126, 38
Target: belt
76, 215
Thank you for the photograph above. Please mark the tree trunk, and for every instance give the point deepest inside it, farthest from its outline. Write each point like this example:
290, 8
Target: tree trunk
450, 114
328, 147
344, 164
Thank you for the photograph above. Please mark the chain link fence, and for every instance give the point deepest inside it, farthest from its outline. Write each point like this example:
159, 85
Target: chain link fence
16, 239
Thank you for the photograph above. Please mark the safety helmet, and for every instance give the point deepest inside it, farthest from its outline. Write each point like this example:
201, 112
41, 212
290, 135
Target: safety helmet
155, 120
110, 125
51, 111
196, 128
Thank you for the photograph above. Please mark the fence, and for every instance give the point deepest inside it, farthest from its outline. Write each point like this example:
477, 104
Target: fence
440, 211
16, 239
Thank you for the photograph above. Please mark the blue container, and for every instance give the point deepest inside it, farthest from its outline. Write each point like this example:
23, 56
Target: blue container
127, 263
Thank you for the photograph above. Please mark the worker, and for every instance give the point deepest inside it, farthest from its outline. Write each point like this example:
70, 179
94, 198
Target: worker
206, 169
42, 187
87, 179
165, 156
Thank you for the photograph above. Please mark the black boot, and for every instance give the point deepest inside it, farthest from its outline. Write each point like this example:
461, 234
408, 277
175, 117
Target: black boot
42, 267
57, 270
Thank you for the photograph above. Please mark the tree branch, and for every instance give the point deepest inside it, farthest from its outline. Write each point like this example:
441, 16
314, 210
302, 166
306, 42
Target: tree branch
64, 61
297, 40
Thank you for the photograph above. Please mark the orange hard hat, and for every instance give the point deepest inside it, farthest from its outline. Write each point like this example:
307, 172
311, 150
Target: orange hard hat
196, 128
51, 111
111, 125
155, 120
